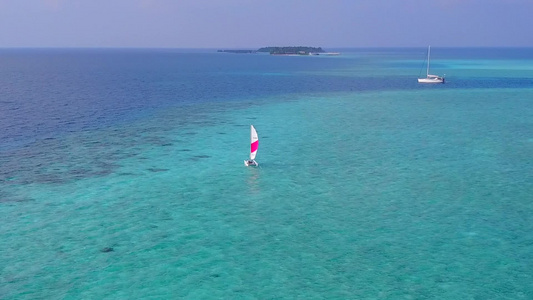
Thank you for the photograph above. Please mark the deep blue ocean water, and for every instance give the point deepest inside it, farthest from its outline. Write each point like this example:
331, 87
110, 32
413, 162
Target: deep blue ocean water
370, 185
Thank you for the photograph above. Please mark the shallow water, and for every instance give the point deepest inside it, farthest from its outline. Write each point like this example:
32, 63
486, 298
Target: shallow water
368, 186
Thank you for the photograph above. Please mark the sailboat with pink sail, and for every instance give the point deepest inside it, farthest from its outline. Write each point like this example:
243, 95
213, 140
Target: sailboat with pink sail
254, 143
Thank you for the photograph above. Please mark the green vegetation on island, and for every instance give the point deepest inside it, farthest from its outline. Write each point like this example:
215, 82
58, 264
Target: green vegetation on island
300, 50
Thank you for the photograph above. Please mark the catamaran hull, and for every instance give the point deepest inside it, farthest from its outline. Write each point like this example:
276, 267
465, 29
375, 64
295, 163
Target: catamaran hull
250, 163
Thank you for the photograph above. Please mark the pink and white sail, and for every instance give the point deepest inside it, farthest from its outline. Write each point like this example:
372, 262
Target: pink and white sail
254, 142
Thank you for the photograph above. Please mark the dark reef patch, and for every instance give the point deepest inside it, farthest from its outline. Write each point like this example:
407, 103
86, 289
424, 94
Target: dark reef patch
156, 170
198, 157
126, 174
15, 200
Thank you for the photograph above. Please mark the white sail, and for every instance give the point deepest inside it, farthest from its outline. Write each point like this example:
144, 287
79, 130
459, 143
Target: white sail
254, 142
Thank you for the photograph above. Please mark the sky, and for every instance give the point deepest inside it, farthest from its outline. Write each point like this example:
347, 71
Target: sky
243, 24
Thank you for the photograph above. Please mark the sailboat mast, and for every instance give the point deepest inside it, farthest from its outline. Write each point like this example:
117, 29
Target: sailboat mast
427, 71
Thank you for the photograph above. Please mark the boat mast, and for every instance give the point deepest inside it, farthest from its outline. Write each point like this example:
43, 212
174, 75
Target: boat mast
427, 71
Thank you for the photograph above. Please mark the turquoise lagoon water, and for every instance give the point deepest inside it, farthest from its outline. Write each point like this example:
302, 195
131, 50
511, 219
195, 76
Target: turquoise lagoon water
370, 186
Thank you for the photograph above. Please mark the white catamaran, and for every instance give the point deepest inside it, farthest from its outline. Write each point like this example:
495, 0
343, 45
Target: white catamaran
430, 78
254, 143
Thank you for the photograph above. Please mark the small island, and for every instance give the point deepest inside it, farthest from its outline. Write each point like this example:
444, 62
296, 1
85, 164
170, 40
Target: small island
300, 50
292, 50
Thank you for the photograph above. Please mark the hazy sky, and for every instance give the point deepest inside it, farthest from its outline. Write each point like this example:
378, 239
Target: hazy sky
257, 23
